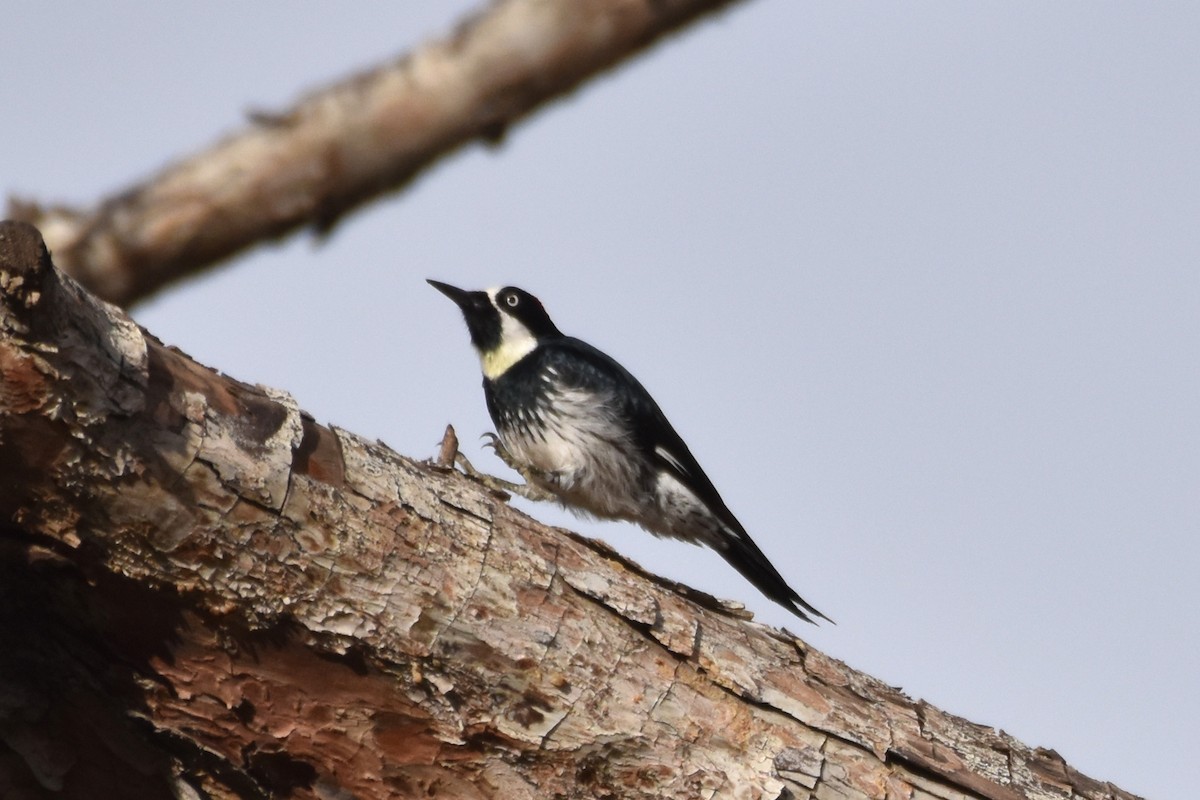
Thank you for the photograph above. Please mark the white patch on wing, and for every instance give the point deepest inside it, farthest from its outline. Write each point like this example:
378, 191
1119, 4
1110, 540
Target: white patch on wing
666, 455
683, 515
516, 342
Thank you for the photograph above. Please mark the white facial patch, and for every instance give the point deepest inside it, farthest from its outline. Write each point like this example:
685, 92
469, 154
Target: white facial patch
516, 342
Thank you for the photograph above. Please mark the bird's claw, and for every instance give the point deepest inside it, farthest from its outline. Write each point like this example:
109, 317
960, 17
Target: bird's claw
528, 490
498, 485
466, 466
493, 441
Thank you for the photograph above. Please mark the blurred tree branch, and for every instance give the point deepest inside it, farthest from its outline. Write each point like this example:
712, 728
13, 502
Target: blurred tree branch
206, 594
349, 143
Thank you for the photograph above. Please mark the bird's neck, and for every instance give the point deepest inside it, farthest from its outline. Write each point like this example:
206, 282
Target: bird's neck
499, 359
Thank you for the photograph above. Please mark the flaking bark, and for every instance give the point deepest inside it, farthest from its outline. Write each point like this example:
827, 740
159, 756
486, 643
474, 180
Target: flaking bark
349, 143
205, 593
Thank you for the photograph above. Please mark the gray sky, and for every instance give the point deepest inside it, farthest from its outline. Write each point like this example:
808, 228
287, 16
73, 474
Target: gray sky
918, 284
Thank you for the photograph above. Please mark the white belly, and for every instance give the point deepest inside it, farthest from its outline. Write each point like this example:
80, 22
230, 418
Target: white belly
583, 457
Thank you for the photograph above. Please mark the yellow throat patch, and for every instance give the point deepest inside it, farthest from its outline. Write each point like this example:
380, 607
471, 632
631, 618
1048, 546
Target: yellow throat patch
498, 360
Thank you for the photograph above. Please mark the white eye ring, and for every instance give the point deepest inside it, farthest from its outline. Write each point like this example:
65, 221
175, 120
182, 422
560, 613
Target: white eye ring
512, 300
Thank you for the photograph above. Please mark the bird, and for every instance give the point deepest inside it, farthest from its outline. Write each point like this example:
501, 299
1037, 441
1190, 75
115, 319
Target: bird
583, 431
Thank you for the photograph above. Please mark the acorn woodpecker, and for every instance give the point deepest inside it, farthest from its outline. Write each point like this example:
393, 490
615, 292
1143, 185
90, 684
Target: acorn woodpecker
580, 429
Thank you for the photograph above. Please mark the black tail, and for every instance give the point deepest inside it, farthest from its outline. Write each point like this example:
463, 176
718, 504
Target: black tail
743, 555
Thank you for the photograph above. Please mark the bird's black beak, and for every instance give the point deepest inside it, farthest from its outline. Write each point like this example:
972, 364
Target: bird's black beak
483, 321
472, 303
460, 296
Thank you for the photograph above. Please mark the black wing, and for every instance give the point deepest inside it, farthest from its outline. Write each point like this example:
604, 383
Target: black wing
580, 364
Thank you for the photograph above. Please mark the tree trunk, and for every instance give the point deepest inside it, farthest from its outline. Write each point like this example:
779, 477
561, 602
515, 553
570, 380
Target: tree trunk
206, 594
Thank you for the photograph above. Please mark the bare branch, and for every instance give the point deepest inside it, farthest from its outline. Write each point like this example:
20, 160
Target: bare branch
349, 143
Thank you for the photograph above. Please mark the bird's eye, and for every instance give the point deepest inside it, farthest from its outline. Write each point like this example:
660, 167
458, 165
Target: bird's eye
512, 299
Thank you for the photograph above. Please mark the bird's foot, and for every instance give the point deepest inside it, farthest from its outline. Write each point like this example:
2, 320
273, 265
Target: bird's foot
529, 490
498, 485
493, 441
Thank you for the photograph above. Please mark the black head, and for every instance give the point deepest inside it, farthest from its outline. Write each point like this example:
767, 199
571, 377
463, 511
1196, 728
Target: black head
505, 324
526, 309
